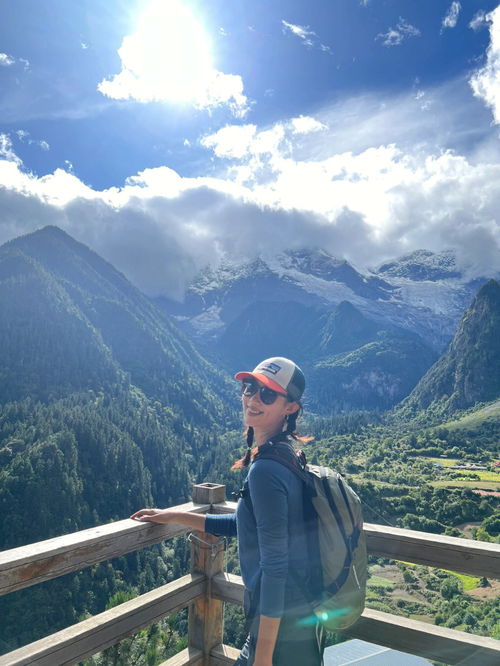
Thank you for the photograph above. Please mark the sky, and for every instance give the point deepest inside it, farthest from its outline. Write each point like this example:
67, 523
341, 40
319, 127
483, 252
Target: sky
172, 134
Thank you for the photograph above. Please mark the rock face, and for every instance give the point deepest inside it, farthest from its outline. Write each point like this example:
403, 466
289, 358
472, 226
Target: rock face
422, 292
469, 371
422, 265
350, 361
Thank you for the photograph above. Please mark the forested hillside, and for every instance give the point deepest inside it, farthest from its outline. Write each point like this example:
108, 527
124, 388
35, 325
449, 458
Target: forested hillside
469, 371
352, 362
105, 407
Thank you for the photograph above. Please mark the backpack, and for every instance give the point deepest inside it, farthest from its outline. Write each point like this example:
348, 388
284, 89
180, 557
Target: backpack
335, 586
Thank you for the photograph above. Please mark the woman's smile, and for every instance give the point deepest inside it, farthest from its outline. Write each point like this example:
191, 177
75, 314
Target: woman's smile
253, 411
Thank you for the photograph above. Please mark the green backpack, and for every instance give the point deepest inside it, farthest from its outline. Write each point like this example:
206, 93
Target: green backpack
334, 521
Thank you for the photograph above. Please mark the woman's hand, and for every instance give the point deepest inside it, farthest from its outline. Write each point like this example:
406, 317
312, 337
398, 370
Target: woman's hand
195, 521
153, 516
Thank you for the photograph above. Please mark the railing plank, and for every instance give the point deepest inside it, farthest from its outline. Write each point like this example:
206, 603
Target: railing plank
188, 657
224, 654
426, 640
477, 558
81, 640
228, 587
38, 562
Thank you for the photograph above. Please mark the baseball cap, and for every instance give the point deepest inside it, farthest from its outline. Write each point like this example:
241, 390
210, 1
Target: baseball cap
279, 374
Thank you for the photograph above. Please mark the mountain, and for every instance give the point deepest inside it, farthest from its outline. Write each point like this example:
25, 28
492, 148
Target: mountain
422, 265
105, 407
422, 292
469, 370
72, 321
100, 372
350, 361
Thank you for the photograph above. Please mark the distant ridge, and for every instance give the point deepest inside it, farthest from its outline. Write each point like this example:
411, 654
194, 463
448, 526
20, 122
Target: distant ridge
350, 360
72, 321
469, 371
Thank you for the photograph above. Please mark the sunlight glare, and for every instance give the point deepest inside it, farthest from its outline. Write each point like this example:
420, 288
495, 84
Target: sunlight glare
169, 52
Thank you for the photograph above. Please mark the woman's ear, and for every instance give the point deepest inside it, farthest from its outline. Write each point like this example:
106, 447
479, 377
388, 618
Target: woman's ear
292, 407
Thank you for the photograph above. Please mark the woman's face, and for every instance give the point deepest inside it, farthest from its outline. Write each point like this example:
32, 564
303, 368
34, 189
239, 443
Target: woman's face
268, 418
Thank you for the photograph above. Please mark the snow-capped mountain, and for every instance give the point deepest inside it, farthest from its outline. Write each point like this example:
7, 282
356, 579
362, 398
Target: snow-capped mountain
422, 265
423, 292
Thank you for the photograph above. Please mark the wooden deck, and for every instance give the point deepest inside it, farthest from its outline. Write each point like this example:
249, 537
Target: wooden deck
208, 587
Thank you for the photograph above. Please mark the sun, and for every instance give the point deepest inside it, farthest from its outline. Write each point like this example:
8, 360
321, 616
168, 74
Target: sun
169, 54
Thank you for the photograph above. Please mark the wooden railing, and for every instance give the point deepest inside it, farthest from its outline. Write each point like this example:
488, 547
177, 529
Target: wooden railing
207, 587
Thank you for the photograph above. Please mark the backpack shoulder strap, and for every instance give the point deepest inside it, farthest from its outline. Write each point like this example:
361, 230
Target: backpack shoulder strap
284, 453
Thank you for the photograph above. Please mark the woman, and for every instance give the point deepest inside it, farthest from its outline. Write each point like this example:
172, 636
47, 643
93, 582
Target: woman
269, 523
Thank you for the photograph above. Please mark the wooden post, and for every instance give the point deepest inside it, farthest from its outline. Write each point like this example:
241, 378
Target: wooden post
206, 615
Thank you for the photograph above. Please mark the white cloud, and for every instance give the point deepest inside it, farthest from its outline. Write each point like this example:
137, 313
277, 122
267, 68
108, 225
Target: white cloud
451, 17
169, 58
6, 60
396, 36
232, 141
306, 124
308, 37
374, 183
485, 83
300, 31
25, 137
479, 20
6, 150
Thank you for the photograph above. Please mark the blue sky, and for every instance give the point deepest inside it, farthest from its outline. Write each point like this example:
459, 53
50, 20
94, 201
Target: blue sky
200, 130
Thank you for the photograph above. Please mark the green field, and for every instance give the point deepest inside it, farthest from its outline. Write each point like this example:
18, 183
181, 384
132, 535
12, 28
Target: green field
489, 413
379, 581
446, 462
457, 483
468, 582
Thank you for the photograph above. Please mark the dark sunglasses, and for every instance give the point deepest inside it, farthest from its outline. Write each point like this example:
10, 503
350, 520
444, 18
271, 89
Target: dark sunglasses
267, 395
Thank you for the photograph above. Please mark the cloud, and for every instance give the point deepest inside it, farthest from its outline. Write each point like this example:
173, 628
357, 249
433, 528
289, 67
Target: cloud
240, 141
451, 18
25, 137
6, 150
396, 36
377, 181
232, 141
308, 37
6, 60
306, 124
169, 58
485, 83
479, 20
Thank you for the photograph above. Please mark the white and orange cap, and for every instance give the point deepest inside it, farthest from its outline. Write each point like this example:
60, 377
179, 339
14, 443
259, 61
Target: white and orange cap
279, 374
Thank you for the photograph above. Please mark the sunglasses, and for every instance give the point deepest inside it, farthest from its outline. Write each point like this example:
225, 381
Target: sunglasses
266, 395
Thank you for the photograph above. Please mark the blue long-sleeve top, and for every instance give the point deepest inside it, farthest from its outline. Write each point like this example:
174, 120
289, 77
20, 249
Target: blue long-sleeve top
271, 538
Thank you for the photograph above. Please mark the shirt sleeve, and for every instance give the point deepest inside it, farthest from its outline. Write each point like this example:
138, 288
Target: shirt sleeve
269, 494
221, 525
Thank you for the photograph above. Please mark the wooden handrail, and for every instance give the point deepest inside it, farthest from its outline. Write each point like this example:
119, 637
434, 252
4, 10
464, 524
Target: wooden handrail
476, 558
35, 563
84, 639
397, 632
38, 562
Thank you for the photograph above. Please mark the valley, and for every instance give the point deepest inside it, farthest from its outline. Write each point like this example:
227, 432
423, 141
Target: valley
106, 405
